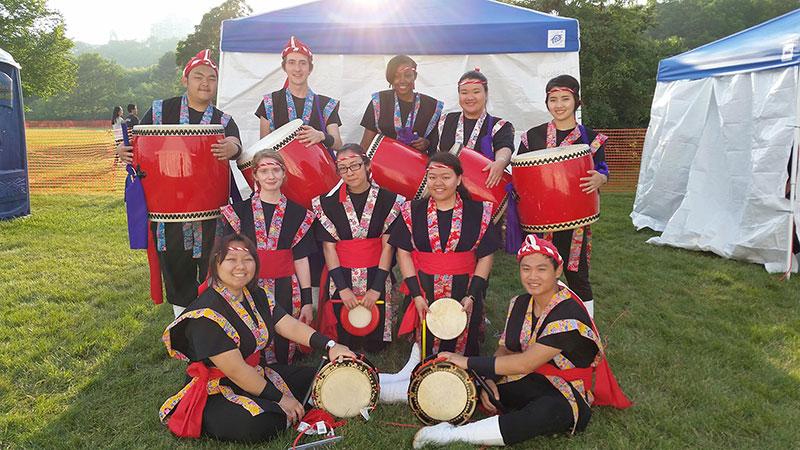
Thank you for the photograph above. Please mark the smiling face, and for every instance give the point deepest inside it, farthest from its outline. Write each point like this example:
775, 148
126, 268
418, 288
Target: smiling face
403, 81
561, 105
472, 98
538, 276
269, 175
442, 183
237, 268
297, 67
201, 84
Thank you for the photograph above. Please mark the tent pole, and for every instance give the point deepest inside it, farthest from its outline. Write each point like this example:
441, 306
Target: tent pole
793, 174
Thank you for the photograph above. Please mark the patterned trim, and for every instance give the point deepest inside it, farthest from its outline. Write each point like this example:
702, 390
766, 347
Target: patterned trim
561, 226
196, 314
524, 140
225, 119
405, 211
486, 219
598, 142
435, 118
544, 160
178, 130
183, 217
326, 113
157, 108
499, 126
399, 200
567, 325
442, 121
324, 220
268, 111
376, 108
304, 227
233, 219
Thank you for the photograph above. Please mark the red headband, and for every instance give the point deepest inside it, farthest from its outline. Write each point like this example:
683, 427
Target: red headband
471, 80
532, 245
202, 58
269, 162
297, 46
560, 89
345, 158
238, 249
436, 165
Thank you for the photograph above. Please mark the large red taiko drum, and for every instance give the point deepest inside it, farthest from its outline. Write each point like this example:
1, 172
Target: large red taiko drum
474, 180
397, 167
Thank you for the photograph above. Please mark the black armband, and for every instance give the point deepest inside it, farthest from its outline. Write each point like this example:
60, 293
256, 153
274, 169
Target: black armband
270, 392
337, 275
482, 365
412, 283
477, 287
329, 140
318, 341
305, 296
379, 282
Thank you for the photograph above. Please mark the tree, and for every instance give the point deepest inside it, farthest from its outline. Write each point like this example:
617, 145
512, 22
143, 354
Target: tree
34, 35
207, 33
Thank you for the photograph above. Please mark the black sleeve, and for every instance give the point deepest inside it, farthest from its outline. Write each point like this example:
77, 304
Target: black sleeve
504, 137
334, 117
321, 234
306, 246
368, 121
400, 236
277, 313
147, 118
261, 111
207, 338
578, 349
232, 129
490, 242
433, 138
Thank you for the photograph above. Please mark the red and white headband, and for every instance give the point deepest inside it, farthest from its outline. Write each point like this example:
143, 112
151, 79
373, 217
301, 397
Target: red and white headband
533, 244
202, 58
472, 80
297, 46
560, 89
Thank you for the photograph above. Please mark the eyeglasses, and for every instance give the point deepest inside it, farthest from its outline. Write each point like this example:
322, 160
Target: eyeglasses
351, 168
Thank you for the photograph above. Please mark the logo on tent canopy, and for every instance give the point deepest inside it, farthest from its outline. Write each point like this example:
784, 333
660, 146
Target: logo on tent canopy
556, 38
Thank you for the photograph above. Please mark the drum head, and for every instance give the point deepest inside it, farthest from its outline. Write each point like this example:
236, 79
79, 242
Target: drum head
274, 141
446, 318
442, 392
360, 321
344, 388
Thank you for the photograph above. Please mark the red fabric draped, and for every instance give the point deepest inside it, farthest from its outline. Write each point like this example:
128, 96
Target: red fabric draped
355, 253
187, 420
275, 263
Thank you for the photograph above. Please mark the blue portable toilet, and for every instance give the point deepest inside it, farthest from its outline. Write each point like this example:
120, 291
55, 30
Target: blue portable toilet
14, 193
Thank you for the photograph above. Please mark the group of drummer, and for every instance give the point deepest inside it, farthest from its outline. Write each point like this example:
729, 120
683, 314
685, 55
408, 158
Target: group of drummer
242, 333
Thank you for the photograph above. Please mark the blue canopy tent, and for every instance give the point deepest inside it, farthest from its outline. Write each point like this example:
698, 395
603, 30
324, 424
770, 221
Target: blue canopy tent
717, 162
518, 49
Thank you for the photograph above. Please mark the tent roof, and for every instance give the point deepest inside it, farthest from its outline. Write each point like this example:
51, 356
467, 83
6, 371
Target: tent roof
772, 44
417, 27
6, 58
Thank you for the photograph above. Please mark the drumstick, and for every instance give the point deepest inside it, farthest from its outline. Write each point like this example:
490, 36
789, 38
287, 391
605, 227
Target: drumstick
485, 386
423, 339
322, 362
318, 443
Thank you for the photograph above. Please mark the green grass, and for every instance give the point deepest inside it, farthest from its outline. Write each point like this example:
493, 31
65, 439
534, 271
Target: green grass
708, 349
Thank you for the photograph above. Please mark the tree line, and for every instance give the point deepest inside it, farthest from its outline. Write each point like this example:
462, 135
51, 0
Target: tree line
622, 42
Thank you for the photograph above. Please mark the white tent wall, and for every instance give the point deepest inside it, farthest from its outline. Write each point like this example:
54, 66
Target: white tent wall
713, 173
516, 84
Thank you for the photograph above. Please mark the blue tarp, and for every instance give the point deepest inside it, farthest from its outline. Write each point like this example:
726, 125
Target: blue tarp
417, 27
772, 44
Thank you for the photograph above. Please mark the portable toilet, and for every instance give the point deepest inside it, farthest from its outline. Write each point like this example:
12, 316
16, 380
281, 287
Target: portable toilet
14, 193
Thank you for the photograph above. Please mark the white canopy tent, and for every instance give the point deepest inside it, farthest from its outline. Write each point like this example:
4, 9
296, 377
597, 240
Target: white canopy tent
724, 123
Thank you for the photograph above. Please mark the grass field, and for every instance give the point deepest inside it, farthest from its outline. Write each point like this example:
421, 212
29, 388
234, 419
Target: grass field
708, 349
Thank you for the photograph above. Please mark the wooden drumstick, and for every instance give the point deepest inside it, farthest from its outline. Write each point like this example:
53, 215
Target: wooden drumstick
424, 347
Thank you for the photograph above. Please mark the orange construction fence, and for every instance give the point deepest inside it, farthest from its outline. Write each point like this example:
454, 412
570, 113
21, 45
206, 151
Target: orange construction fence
82, 160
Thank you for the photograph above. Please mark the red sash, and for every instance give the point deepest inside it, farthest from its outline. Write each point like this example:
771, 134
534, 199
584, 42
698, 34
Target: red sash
187, 420
577, 373
355, 253
275, 263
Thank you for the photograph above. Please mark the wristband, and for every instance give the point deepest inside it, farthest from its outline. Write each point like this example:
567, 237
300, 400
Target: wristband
412, 283
305, 296
482, 365
337, 275
270, 392
329, 140
379, 282
477, 287
318, 341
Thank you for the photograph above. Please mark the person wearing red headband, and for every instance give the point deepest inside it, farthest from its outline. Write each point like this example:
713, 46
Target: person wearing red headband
183, 247
475, 129
353, 224
563, 98
296, 100
400, 113
232, 393
541, 374
282, 230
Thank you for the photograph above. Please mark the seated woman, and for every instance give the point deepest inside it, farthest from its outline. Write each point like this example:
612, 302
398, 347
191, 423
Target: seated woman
282, 232
232, 394
353, 225
548, 352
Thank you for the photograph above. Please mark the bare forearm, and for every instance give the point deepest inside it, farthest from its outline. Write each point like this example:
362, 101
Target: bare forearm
303, 272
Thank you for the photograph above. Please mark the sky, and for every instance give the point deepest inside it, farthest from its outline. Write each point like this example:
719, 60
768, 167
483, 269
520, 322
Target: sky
94, 21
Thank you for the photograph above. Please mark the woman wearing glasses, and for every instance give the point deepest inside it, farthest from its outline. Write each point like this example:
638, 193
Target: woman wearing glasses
353, 224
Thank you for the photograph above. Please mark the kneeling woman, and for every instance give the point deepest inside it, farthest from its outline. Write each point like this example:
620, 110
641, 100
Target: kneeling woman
233, 395
281, 230
445, 244
547, 355
353, 225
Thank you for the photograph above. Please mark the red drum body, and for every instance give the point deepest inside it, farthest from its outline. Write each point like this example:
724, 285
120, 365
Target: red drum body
183, 180
474, 180
397, 167
310, 171
548, 184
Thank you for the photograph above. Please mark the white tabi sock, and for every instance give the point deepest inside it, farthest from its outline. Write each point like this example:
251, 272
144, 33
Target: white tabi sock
177, 310
394, 392
405, 372
482, 432
589, 304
